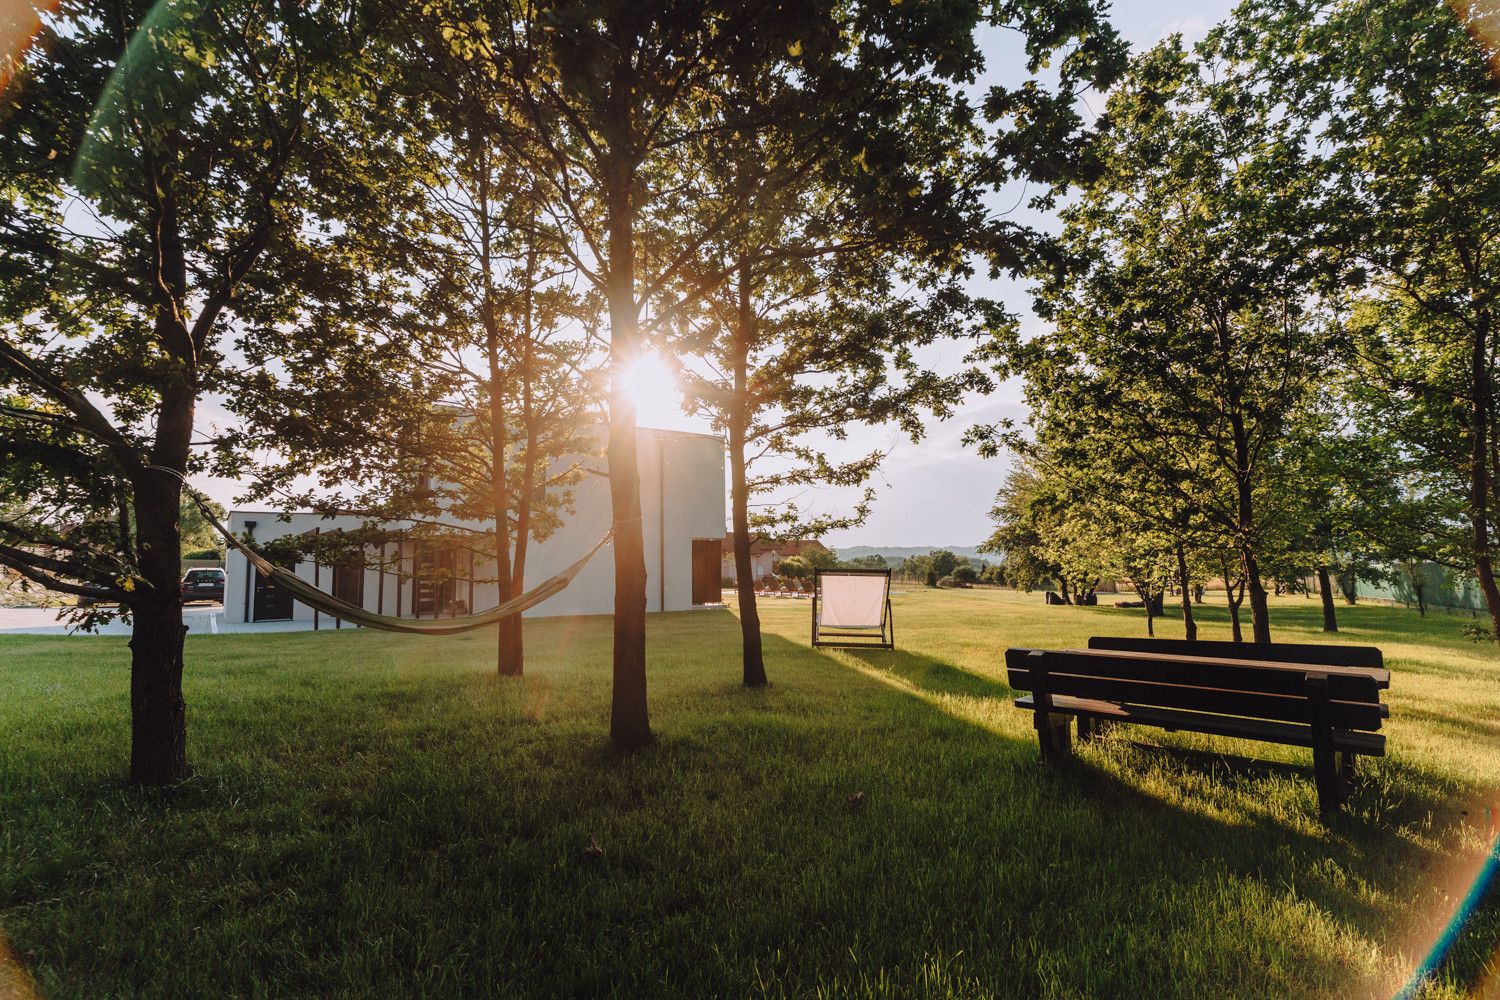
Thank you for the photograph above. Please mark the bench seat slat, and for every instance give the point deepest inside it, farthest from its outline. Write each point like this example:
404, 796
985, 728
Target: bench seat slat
1288, 734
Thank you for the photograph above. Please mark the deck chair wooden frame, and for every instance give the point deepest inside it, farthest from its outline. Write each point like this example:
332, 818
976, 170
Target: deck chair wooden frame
848, 637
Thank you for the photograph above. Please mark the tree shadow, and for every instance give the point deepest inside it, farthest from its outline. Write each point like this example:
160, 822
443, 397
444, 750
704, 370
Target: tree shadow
929, 674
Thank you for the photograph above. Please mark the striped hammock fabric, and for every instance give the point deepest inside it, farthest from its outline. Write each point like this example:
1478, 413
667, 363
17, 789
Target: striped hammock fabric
328, 604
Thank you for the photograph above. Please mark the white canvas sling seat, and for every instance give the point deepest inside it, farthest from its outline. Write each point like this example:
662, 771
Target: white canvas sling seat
852, 608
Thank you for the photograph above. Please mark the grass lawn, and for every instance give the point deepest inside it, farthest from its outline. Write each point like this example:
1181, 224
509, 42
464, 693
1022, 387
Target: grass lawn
381, 816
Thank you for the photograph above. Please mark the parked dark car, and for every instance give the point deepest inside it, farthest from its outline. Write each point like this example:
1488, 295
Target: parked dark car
203, 585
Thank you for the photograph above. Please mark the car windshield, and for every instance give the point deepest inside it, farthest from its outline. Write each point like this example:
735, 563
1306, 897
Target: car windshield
203, 576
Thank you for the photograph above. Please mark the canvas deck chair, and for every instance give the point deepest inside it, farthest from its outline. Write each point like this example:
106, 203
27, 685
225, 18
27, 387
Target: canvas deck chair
852, 609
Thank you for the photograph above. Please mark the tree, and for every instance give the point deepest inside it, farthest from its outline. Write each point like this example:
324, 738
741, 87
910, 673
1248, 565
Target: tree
943, 562
801, 328
794, 568
917, 568
169, 173
1188, 336
820, 558
487, 383
795, 353
197, 534
1019, 528
621, 107
1406, 107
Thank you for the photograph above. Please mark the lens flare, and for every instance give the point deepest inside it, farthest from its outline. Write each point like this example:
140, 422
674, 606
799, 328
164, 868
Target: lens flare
1481, 18
20, 23
15, 982
1427, 970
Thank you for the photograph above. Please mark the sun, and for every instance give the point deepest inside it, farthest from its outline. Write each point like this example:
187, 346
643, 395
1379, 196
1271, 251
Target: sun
652, 387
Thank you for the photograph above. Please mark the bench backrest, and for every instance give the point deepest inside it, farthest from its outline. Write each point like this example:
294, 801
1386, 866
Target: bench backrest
1279, 652
1271, 690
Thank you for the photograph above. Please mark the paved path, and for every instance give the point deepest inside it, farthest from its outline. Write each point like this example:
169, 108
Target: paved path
201, 619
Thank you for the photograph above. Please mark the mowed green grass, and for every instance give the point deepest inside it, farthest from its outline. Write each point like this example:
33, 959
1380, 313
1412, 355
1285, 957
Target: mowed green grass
381, 816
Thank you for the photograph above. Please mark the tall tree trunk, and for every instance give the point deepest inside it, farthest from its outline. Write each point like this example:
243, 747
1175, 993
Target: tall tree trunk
1260, 612
1145, 591
158, 713
1480, 487
533, 444
1349, 586
1260, 621
629, 721
752, 653
1236, 632
1067, 596
1325, 587
508, 651
1190, 627
523, 525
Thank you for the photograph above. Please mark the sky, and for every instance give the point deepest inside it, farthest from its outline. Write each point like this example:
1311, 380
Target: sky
936, 492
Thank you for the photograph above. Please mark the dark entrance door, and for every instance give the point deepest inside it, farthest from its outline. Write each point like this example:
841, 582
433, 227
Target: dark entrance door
349, 583
272, 604
708, 579
434, 581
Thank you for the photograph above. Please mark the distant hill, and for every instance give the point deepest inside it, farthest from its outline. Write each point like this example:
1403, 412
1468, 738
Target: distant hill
899, 552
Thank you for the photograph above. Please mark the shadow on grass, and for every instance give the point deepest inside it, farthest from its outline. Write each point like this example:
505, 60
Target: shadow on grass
929, 674
1254, 846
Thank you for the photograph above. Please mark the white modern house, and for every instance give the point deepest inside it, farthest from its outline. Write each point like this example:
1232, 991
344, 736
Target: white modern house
682, 512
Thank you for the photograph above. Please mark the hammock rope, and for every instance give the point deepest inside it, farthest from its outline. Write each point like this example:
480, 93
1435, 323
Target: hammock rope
328, 604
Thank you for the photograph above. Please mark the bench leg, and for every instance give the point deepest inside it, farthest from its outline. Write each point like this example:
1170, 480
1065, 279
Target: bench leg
1092, 726
1054, 735
1346, 766
1326, 774
1327, 771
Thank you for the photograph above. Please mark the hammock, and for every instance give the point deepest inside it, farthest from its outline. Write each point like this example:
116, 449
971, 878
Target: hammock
327, 603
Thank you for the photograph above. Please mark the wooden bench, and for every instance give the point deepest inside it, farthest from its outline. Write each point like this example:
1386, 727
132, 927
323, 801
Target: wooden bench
1326, 698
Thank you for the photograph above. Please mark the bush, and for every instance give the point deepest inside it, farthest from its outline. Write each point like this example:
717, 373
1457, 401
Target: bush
1476, 631
204, 554
794, 567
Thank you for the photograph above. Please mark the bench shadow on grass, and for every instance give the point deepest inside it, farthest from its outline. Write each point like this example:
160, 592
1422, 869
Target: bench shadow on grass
1253, 844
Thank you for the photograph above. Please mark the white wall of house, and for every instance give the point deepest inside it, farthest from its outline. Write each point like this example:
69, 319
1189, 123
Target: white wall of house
682, 499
